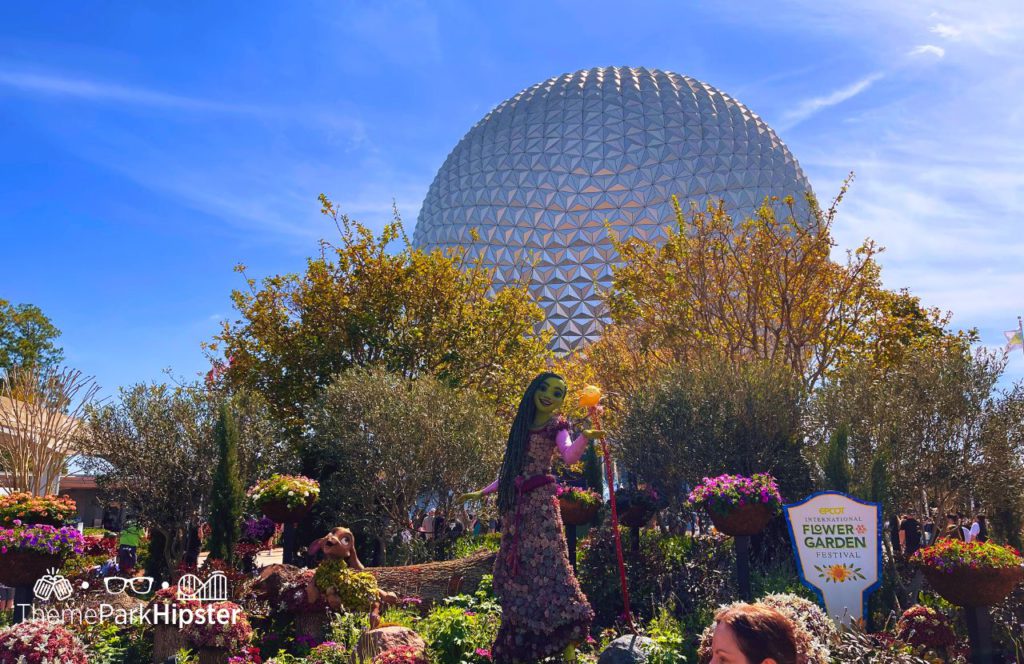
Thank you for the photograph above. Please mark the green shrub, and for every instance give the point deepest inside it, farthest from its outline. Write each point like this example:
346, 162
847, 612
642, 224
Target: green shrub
690, 575
454, 634
470, 544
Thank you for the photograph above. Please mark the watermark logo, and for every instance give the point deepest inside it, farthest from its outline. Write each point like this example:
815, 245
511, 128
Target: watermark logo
117, 585
214, 589
52, 585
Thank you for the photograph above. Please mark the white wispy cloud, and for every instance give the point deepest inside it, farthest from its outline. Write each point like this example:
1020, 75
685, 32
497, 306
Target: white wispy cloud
928, 49
947, 31
809, 107
98, 91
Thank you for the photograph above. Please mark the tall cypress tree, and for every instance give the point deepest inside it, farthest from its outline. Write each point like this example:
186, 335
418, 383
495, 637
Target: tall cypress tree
837, 461
593, 475
227, 498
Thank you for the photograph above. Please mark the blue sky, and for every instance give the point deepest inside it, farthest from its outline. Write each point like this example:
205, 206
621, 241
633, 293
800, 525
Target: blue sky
146, 149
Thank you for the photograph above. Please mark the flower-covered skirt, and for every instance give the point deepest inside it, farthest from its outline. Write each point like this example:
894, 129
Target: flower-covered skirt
543, 608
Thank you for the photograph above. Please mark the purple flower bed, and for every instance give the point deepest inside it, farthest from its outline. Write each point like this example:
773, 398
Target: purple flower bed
41, 539
726, 492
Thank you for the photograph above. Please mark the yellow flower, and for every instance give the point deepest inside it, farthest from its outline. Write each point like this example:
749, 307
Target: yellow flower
838, 573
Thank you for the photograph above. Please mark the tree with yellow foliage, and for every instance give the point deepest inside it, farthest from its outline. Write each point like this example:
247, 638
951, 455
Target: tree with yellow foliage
372, 300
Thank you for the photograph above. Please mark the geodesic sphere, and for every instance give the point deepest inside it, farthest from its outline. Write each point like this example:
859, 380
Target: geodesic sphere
540, 175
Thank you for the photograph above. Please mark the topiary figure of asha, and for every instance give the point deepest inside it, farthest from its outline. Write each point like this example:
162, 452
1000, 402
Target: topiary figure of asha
544, 612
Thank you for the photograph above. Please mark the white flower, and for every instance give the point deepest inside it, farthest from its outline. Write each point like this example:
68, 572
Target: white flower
306, 495
291, 493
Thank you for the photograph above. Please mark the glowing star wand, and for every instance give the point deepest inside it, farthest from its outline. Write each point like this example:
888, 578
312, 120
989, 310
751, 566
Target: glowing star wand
590, 398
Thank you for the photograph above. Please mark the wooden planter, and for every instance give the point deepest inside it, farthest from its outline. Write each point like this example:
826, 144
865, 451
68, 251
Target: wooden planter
213, 656
167, 640
635, 516
24, 568
745, 520
279, 512
575, 513
974, 587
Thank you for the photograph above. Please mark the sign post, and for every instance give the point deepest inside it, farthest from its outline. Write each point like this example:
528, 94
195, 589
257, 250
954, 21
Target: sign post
837, 541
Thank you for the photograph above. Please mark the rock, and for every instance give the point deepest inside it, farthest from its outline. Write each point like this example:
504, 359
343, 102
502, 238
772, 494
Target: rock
376, 641
629, 649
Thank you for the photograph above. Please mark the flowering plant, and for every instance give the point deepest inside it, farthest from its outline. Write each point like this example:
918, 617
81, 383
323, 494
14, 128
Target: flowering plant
921, 626
99, 546
231, 635
328, 652
293, 490
401, 655
578, 495
40, 642
41, 539
27, 508
258, 529
949, 555
250, 655
724, 493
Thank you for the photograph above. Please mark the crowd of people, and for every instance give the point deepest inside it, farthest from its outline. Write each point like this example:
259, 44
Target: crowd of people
909, 533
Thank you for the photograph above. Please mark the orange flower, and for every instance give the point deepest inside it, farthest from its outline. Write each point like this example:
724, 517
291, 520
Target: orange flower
838, 573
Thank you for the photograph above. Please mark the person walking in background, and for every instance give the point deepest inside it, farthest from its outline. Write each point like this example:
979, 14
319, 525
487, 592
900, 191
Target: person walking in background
982, 534
427, 526
128, 547
953, 529
929, 531
910, 535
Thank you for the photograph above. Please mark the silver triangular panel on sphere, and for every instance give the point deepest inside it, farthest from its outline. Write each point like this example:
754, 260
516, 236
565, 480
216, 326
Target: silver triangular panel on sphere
540, 175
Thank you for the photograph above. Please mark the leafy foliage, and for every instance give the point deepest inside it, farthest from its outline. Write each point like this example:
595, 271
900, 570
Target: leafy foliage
367, 303
27, 337
356, 590
153, 450
386, 446
691, 423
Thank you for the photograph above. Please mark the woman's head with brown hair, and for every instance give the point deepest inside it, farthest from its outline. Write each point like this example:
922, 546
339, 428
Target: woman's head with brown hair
753, 634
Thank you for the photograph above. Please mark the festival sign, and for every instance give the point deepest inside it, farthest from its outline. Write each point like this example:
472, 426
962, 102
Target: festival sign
837, 541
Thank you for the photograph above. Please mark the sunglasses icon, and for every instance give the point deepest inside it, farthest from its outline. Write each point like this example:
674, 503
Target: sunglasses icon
116, 585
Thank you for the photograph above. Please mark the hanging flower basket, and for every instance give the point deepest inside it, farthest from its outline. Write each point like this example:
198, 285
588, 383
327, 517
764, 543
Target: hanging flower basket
636, 506
577, 506
971, 573
974, 587
281, 512
29, 509
740, 521
24, 568
285, 498
738, 505
28, 551
635, 516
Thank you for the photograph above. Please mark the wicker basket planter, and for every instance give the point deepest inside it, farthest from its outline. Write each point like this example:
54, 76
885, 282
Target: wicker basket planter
635, 516
23, 568
973, 587
167, 640
748, 519
576, 513
279, 511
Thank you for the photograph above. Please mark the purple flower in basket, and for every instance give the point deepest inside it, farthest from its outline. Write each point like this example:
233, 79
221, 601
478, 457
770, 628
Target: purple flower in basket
258, 529
726, 492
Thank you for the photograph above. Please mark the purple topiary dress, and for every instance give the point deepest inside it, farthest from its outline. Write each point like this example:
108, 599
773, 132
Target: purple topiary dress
543, 608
